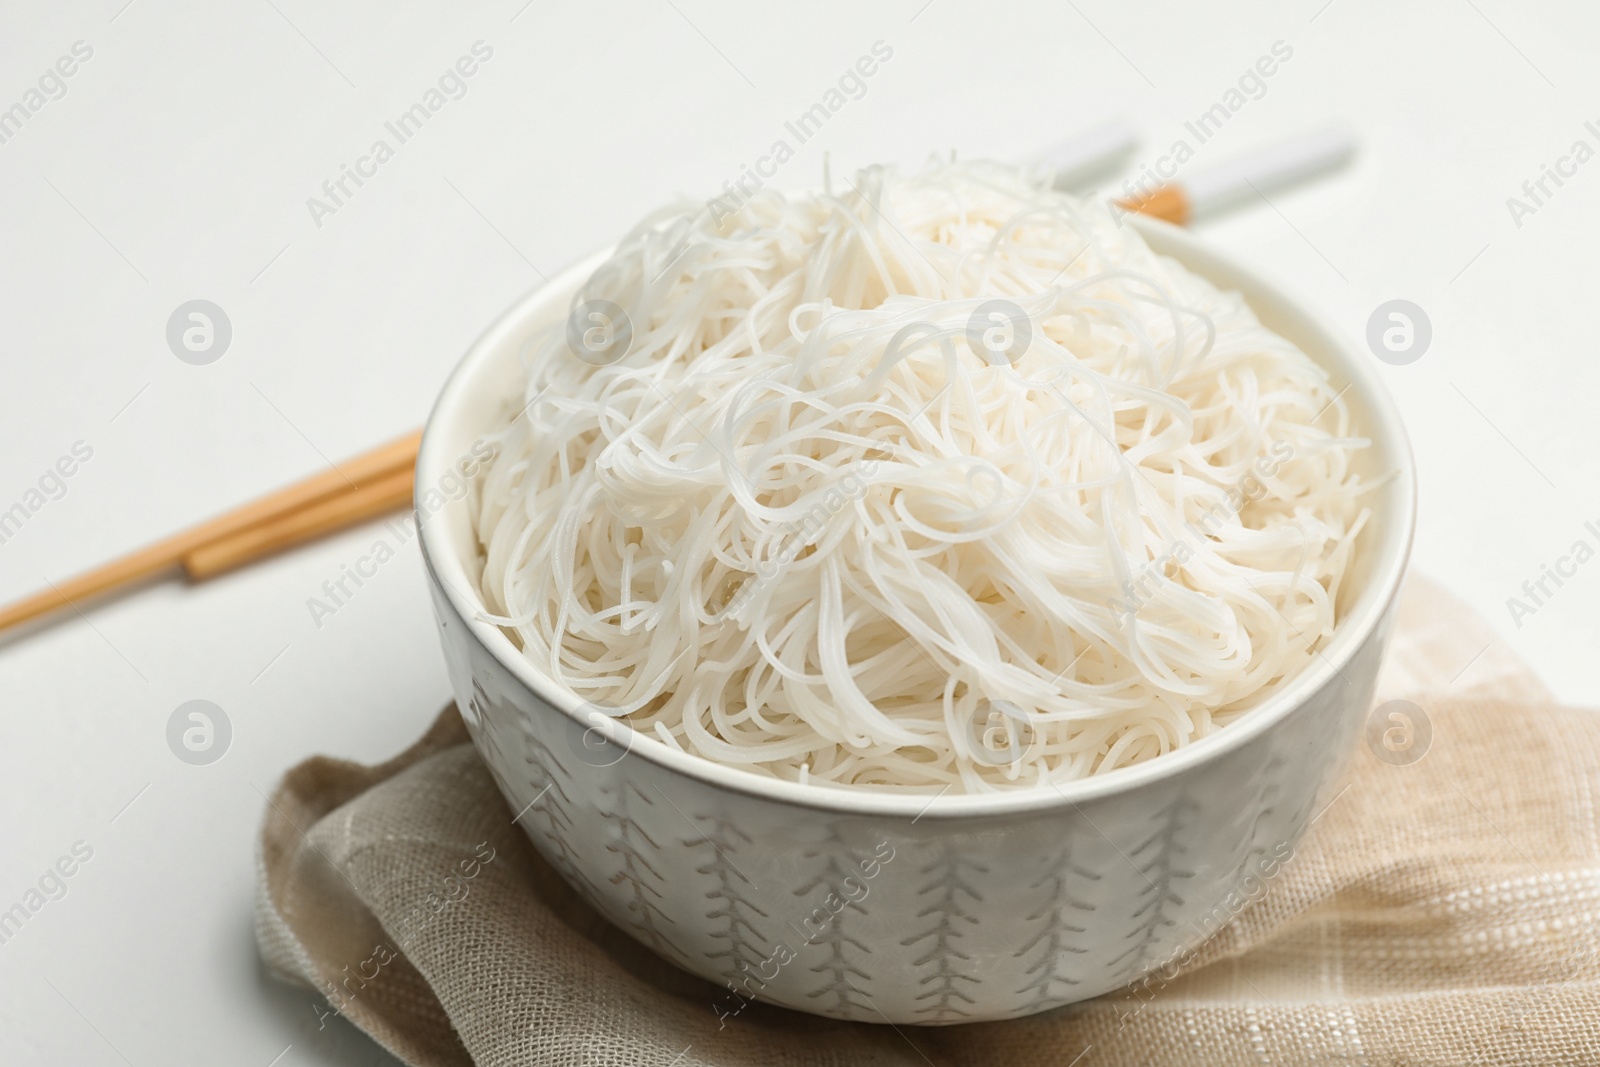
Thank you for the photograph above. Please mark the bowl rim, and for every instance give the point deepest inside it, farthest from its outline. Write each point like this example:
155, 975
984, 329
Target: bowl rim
441, 560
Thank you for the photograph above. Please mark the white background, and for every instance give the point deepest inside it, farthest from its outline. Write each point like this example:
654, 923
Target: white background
178, 166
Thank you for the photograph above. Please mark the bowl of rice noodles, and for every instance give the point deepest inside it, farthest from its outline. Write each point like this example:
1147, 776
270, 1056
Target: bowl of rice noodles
928, 599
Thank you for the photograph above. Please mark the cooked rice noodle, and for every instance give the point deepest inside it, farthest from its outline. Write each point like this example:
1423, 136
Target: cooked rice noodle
813, 526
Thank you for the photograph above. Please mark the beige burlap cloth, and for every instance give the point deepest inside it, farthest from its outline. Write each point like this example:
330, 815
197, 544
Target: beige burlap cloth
1442, 912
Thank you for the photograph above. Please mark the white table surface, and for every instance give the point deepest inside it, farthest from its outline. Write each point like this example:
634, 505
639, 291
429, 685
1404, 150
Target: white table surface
178, 164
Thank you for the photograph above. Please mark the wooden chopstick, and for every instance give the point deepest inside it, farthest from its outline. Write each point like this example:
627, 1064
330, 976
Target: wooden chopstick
1169, 203
1243, 179
296, 527
382, 479
358, 489
346, 478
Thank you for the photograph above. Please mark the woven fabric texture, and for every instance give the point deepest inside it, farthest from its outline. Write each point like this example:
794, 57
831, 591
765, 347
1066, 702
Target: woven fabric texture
1442, 912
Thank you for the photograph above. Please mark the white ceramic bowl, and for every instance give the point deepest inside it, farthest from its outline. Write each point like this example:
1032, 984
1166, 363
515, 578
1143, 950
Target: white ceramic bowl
877, 907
